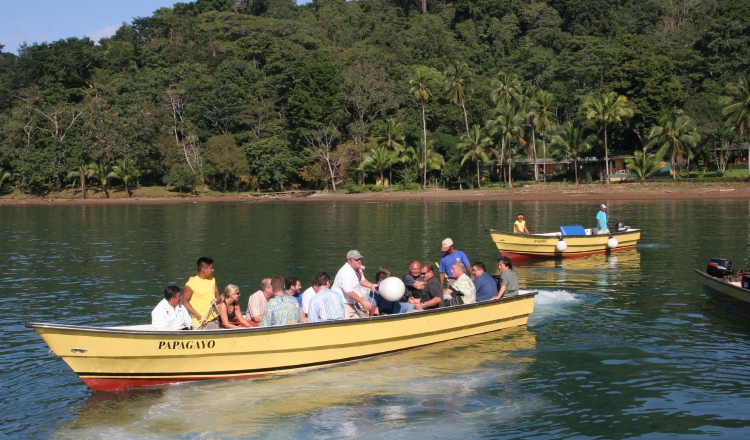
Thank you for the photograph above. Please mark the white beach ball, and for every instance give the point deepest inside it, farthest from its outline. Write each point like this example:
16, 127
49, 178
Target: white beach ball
392, 288
561, 245
612, 243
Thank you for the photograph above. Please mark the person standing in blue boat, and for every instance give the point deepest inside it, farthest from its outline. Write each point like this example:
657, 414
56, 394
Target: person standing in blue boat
601, 219
452, 255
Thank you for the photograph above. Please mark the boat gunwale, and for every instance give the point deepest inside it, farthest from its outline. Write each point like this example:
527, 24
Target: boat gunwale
559, 234
292, 327
720, 281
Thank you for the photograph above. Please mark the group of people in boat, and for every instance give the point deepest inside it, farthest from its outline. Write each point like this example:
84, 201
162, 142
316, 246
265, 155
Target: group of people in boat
350, 295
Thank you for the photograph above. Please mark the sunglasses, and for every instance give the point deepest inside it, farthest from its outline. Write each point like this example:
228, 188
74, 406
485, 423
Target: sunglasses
236, 293
424, 273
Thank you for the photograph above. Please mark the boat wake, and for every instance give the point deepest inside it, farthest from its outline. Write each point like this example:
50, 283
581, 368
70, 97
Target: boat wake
548, 297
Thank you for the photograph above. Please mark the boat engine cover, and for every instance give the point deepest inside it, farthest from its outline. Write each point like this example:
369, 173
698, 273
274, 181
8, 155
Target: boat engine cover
622, 226
719, 267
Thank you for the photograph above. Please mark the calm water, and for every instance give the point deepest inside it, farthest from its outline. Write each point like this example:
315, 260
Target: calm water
619, 346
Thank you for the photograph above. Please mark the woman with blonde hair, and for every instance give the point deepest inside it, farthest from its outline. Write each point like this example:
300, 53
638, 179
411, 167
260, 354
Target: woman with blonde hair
230, 315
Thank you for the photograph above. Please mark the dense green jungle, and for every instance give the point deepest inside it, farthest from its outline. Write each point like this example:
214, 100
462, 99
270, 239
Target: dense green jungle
271, 95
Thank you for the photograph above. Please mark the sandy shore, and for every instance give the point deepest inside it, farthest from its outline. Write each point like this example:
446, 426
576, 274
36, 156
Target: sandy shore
614, 192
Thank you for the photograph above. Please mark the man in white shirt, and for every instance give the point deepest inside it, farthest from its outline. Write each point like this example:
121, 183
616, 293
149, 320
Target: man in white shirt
347, 282
170, 314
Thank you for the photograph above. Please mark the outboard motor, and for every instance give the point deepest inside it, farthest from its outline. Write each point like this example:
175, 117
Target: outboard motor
719, 267
622, 226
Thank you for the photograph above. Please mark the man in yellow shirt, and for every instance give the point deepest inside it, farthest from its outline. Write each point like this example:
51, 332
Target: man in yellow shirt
519, 227
199, 295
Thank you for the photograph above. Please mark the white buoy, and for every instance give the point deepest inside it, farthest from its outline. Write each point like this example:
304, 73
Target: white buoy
392, 288
612, 243
561, 245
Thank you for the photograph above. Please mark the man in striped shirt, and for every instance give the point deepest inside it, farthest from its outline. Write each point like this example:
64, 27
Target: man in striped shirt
325, 305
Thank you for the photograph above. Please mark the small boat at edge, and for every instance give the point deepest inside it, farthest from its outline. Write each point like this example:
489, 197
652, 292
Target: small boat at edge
719, 277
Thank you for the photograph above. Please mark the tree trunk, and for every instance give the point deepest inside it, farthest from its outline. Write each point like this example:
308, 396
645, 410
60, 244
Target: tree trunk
424, 6
533, 147
127, 191
106, 191
226, 177
333, 178
466, 117
502, 156
424, 129
510, 177
575, 165
606, 154
479, 183
83, 185
544, 156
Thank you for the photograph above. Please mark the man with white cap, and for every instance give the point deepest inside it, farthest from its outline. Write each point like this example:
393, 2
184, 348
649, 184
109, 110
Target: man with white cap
601, 219
452, 255
347, 282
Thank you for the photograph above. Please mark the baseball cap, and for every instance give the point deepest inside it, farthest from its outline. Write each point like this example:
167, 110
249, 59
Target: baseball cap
447, 243
353, 254
603, 206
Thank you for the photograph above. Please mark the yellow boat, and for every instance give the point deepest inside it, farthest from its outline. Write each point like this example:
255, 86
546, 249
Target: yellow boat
113, 358
519, 246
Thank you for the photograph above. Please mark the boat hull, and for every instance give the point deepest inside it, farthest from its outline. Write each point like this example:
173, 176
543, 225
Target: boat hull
109, 359
719, 285
520, 246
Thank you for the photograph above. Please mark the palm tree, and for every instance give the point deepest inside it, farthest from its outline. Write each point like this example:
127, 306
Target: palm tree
378, 159
643, 164
573, 141
390, 135
420, 89
477, 147
505, 120
125, 170
675, 135
531, 114
80, 173
606, 109
737, 108
416, 154
4, 175
545, 120
515, 150
100, 171
506, 87
457, 78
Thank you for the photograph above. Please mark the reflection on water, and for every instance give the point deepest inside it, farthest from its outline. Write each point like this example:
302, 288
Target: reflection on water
609, 271
619, 346
470, 377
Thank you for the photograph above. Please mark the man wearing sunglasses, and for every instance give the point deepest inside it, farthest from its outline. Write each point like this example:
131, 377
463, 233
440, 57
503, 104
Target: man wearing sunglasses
432, 294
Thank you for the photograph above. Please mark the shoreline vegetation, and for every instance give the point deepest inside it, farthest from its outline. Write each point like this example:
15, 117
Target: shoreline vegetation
220, 95
648, 190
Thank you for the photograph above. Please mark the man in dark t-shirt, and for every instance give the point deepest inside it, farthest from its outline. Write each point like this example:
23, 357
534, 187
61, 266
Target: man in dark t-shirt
432, 295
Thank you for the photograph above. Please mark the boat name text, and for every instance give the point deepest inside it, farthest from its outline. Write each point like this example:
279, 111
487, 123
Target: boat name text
540, 241
186, 345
